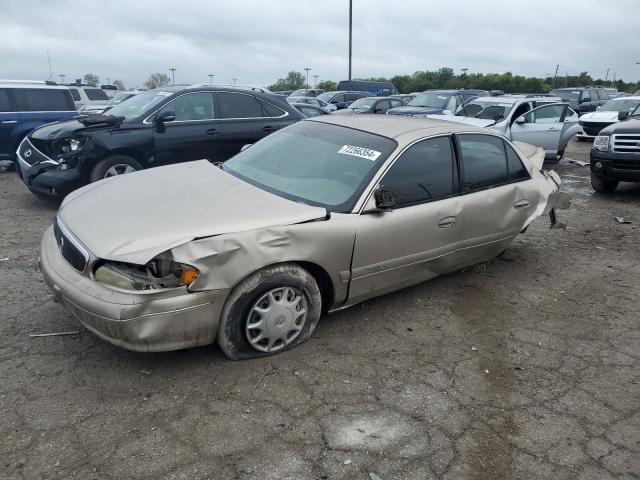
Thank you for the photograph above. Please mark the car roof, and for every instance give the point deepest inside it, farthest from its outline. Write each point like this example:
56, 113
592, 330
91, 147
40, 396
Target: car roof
32, 85
629, 97
403, 129
517, 98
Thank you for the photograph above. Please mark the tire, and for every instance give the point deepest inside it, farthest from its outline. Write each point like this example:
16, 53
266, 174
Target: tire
602, 184
240, 312
102, 169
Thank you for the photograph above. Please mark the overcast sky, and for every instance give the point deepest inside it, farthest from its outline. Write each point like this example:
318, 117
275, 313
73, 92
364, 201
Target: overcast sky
260, 41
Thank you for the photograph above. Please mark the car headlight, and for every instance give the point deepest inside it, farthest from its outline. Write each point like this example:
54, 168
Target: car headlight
72, 145
159, 273
601, 143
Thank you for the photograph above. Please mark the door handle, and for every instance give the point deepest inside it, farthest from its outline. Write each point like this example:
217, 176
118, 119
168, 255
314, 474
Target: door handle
8, 122
522, 204
447, 222
269, 128
213, 131
553, 128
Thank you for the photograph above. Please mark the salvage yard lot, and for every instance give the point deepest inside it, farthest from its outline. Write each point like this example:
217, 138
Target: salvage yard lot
526, 367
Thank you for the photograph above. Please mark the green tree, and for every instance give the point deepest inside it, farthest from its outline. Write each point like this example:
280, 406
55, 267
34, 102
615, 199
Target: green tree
156, 80
292, 81
92, 79
327, 85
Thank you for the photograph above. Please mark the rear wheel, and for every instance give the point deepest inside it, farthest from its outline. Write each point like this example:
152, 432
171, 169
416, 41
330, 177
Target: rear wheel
114, 166
602, 184
270, 311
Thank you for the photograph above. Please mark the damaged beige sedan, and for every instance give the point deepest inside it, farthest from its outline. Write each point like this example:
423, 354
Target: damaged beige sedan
316, 217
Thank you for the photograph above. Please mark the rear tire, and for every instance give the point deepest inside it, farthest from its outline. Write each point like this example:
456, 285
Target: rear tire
259, 310
602, 184
114, 165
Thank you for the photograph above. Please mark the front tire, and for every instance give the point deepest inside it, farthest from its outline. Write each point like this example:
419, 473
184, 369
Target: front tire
271, 311
113, 166
602, 184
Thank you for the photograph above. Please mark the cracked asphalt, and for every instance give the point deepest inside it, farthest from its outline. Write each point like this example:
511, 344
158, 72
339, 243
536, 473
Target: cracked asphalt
522, 368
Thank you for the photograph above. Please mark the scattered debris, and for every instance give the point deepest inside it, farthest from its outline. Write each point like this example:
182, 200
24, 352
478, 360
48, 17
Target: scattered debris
474, 349
482, 464
347, 462
410, 329
622, 220
578, 162
57, 464
55, 334
518, 368
4, 259
486, 371
146, 372
361, 430
373, 476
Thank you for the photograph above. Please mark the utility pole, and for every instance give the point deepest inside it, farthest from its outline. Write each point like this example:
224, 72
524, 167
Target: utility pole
553, 85
173, 75
235, 79
566, 78
62, 75
350, 37
315, 80
211, 75
306, 69
464, 70
606, 77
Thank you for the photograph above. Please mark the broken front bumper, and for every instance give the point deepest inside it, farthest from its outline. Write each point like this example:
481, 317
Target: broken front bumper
147, 321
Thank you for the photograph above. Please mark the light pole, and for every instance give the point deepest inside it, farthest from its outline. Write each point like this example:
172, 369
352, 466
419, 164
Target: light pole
235, 79
350, 31
62, 75
173, 75
306, 69
315, 80
211, 75
464, 70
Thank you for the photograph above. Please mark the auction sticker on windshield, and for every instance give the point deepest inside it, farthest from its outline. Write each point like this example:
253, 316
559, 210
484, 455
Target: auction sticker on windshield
360, 152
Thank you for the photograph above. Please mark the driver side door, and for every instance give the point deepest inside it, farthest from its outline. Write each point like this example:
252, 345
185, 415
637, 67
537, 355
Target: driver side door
416, 240
541, 127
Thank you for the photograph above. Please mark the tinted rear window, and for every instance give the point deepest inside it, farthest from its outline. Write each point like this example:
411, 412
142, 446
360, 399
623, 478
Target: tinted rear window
95, 94
42, 100
4, 101
74, 94
238, 105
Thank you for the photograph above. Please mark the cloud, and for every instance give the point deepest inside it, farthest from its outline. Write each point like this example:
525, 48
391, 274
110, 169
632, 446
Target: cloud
258, 41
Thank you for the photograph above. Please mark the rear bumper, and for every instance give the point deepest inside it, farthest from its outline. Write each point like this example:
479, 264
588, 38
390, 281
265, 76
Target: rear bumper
142, 321
616, 166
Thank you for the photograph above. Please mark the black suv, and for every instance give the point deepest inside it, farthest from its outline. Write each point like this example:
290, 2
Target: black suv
615, 155
158, 127
582, 99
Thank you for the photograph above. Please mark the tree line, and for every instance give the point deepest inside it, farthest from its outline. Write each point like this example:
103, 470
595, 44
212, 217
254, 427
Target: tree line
447, 79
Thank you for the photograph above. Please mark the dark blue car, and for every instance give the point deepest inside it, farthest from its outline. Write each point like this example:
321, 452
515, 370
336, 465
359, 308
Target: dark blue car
433, 102
25, 106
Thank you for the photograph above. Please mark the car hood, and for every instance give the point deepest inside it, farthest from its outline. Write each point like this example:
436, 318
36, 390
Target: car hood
627, 126
409, 110
605, 117
134, 217
478, 122
67, 128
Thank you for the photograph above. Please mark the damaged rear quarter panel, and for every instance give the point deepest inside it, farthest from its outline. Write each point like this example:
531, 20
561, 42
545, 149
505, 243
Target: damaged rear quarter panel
224, 260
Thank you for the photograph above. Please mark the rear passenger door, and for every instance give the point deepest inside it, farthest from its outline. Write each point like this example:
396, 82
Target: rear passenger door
8, 122
246, 120
498, 196
417, 239
195, 134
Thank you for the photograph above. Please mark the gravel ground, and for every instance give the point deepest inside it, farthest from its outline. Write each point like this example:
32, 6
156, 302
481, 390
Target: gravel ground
522, 368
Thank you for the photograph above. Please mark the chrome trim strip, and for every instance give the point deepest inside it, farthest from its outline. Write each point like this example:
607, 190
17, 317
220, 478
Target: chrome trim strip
76, 243
48, 160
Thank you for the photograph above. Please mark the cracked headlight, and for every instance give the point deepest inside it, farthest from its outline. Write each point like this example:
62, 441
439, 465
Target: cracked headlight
159, 273
601, 143
71, 146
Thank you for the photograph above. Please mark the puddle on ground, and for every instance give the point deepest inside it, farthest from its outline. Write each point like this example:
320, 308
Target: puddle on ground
576, 184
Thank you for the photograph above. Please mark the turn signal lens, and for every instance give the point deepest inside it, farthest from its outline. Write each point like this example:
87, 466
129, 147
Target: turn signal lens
189, 276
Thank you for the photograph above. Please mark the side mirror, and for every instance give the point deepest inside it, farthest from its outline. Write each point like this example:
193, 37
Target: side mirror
166, 116
385, 200
520, 120
244, 147
623, 115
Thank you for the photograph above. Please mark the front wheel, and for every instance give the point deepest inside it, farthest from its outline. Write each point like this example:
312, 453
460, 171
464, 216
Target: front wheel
270, 311
603, 185
114, 166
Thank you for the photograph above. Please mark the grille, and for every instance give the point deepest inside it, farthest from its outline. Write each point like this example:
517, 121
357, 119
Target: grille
71, 251
593, 128
30, 154
626, 164
625, 143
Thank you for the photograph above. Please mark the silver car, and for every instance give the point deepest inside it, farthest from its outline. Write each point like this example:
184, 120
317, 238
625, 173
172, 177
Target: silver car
314, 218
542, 121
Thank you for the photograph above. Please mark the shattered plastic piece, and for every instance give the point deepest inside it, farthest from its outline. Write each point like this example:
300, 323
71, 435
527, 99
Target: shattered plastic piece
474, 349
579, 162
347, 461
622, 220
4, 259
373, 476
486, 371
55, 334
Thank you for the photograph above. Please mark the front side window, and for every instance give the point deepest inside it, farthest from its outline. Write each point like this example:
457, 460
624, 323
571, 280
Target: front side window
239, 105
192, 107
483, 160
546, 114
313, 163
5, 105
424, 172
139, 105
43, 100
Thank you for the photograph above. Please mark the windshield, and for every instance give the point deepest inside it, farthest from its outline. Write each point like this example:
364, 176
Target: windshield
620, 106
363, 104
326, 96
485, 109
119, 98
567, 95
139, 104
431, 100
313, 163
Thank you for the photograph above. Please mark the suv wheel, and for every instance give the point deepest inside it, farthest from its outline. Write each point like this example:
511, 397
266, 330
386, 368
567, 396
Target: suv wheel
270, 311
602, 184
112, 166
